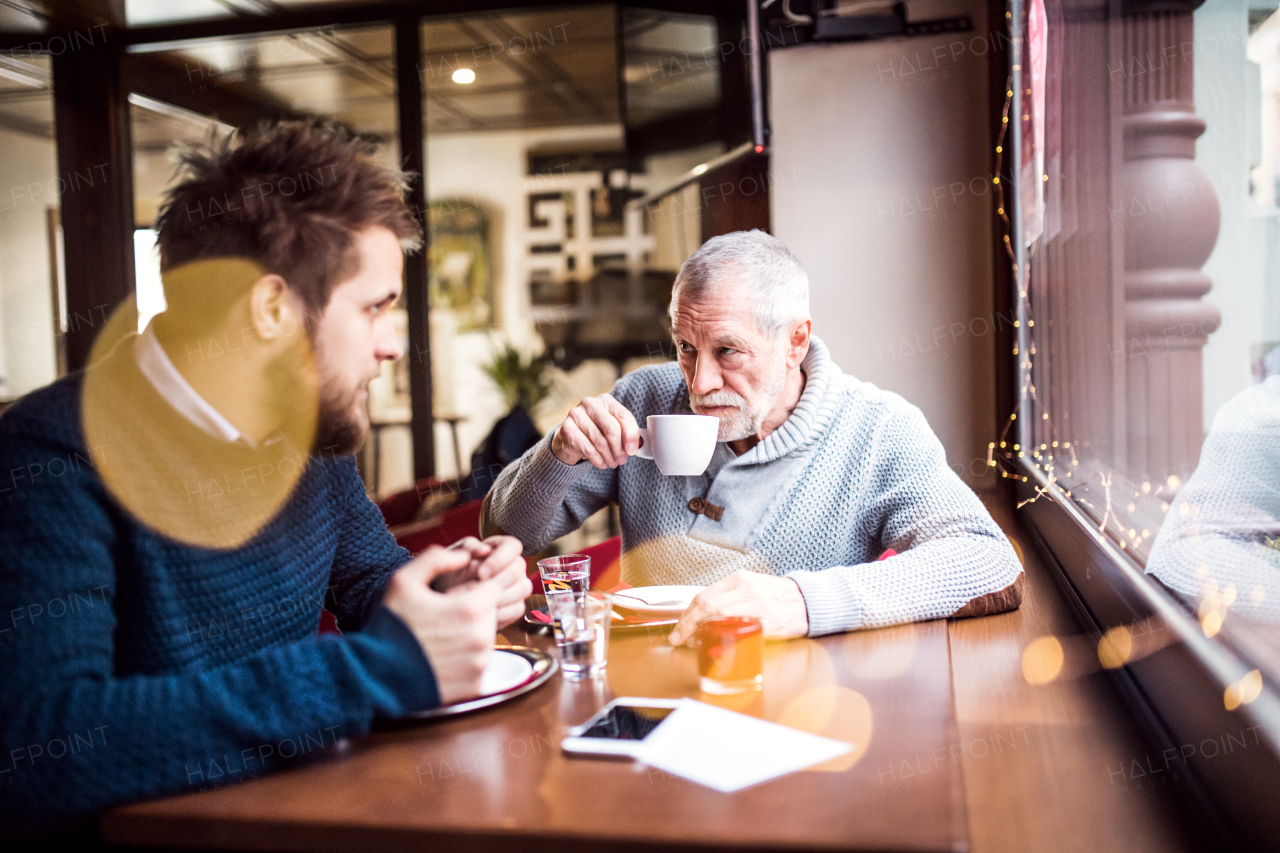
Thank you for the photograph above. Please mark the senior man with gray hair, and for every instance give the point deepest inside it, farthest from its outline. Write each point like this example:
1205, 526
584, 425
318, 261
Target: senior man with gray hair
815, 474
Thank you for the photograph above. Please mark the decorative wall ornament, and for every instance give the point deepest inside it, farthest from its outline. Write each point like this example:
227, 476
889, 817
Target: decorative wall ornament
460, 262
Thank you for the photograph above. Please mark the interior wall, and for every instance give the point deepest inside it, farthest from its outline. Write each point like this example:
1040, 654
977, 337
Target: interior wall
881, 185
28, 188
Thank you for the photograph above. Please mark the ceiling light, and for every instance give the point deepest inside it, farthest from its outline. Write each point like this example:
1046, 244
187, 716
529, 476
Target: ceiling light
464, 76
700, 168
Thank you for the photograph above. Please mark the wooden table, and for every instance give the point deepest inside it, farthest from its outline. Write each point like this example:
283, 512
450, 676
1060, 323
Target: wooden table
955, 751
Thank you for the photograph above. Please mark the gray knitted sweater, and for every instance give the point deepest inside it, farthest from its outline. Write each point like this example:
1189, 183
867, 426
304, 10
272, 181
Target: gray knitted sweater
853, 471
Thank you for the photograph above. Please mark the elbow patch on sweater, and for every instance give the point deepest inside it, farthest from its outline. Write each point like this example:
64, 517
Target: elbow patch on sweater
1000, 601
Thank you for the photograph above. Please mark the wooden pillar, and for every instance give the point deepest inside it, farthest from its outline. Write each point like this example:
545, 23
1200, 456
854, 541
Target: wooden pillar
95, 156
1171, 221
733, 114
409, 97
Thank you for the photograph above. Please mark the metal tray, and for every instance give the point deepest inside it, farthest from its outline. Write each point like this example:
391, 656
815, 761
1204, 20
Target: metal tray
544, 666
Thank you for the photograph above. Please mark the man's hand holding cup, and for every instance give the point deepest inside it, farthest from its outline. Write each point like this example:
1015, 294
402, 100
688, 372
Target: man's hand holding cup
599, 430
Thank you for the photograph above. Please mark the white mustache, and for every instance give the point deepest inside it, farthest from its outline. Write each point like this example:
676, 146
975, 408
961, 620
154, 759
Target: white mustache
718, 398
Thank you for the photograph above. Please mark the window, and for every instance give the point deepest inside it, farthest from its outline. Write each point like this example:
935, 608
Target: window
1145, 239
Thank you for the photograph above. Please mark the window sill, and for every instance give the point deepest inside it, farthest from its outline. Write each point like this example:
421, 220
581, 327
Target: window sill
1176, 686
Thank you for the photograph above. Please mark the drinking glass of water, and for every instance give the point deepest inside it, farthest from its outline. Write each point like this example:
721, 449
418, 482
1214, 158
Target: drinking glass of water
592, 649
575, 616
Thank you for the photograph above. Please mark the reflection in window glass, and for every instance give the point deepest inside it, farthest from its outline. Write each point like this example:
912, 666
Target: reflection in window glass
32, 310
1148, 184
672, 66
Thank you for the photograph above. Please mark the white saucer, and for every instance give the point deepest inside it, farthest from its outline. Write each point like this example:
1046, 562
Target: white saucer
504, 671
640, 599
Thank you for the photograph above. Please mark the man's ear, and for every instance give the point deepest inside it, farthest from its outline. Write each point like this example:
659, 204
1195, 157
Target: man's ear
798, 343
272, 309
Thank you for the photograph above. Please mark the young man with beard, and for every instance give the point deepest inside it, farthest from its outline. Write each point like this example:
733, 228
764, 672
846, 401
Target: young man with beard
173, 518
815, 474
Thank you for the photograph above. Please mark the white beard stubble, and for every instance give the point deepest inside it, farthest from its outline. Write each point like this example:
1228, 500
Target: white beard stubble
747, 420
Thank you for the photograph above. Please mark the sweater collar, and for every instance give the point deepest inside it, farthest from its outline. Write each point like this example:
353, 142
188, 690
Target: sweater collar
808, 420
811, 416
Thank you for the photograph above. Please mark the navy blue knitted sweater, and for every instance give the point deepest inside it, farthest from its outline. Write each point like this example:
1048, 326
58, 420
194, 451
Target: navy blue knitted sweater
133, 666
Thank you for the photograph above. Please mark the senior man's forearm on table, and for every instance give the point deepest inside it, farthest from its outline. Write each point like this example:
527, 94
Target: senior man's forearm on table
952, 560
934, 580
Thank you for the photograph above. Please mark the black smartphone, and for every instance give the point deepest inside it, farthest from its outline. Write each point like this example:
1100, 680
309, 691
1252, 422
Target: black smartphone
619, 728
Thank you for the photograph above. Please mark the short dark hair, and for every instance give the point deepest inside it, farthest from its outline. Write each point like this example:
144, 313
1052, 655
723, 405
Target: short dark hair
289, 196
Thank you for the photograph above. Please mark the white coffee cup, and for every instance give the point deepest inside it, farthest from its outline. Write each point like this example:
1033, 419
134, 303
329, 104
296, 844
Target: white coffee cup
681, 444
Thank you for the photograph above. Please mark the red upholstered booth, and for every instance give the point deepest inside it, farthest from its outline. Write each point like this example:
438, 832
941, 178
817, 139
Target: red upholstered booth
445, 529
402, 507
606, 563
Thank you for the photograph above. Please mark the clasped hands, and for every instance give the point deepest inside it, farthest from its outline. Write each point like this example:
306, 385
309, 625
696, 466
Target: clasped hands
455, 600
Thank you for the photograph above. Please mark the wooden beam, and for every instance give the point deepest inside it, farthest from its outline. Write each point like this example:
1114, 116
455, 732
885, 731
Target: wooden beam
193, 86
70, 14
735, 197
734, 112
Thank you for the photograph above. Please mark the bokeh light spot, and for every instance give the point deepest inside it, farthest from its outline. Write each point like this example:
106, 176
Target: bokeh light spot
1042, 660
1115, 648
834, 712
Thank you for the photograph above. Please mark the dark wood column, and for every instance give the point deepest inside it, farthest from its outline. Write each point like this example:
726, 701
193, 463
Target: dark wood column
735, 197
1171, 222
413, 160
95, 156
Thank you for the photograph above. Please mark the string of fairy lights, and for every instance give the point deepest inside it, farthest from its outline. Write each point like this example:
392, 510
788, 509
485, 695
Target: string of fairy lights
1004, 457
1003, 454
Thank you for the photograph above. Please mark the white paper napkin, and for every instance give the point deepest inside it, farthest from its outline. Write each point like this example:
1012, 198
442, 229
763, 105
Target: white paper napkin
728, 751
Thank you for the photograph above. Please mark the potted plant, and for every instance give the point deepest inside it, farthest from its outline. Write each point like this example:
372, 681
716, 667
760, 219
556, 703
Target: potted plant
523, 381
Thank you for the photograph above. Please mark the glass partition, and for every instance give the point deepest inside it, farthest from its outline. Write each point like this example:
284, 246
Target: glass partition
209, 87
549, 277
526, 183
32, 306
